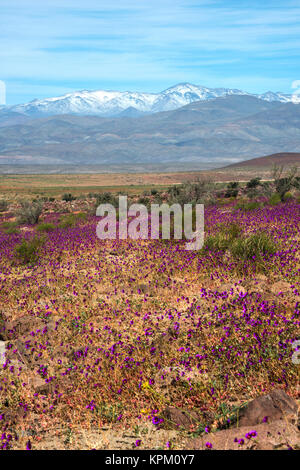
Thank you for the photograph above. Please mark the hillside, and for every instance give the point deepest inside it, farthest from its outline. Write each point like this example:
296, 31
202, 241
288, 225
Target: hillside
284, 158
217, 131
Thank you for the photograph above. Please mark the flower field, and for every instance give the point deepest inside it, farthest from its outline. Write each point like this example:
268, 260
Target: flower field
107, 335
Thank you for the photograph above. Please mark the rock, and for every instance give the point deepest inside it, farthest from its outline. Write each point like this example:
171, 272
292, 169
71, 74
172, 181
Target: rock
27, 229
167, 337
40, 386
258, 287
7, 332
24, 353
12, 415
53, 322
24, 326
261, 277
280, 286
175, 418
271, 407
176, 376
235, 289
276, 435
227, 256
142, 288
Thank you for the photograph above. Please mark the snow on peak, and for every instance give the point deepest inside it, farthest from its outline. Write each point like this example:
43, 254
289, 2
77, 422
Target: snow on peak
110, 103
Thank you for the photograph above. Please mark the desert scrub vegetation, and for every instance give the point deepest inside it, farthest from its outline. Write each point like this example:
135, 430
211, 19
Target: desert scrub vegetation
232, 189
10, 227
3, 205
224, 238
274, 199
191, 193
68, 197
287, 197
248, 205
29, 212
70, 220
45, 227
28, 251
253, 183
106, 198
255, 246
284, 184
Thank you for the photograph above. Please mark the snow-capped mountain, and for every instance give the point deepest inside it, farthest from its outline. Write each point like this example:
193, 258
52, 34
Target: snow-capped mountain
271, 96
113, 103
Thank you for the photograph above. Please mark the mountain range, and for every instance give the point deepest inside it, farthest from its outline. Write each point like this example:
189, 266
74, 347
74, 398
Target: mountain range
132, 104
227, 129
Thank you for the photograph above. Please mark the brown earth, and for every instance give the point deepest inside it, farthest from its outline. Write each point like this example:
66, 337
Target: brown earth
284, 158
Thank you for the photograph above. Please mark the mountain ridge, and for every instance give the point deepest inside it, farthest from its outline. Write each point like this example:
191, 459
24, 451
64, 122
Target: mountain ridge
108, 103
230, 128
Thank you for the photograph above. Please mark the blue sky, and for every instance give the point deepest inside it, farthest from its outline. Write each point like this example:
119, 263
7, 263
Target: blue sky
52, 47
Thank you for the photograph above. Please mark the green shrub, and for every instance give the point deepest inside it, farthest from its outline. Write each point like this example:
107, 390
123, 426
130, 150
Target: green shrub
232, 231
190, 193
3, 205
221, 201
232, 189
285, 184
106, 198
71, 219
45, 227
296, 182
143, 200
67, 221
248, 206
287, 197
266, 189
28, 251
29, 212
68, 197
253, 183
10, 227
223, 239
274, 199
255, 245
80, 215
218, 242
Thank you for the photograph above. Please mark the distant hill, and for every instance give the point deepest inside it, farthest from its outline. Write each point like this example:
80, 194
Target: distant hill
285, 158
212, 132
10, 118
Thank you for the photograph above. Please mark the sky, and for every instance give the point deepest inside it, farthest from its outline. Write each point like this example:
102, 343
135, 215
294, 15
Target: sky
52, 47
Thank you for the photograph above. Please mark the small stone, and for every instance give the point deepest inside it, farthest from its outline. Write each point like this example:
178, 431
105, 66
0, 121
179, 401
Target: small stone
143, 288
280, 286
175, 418
40, 386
